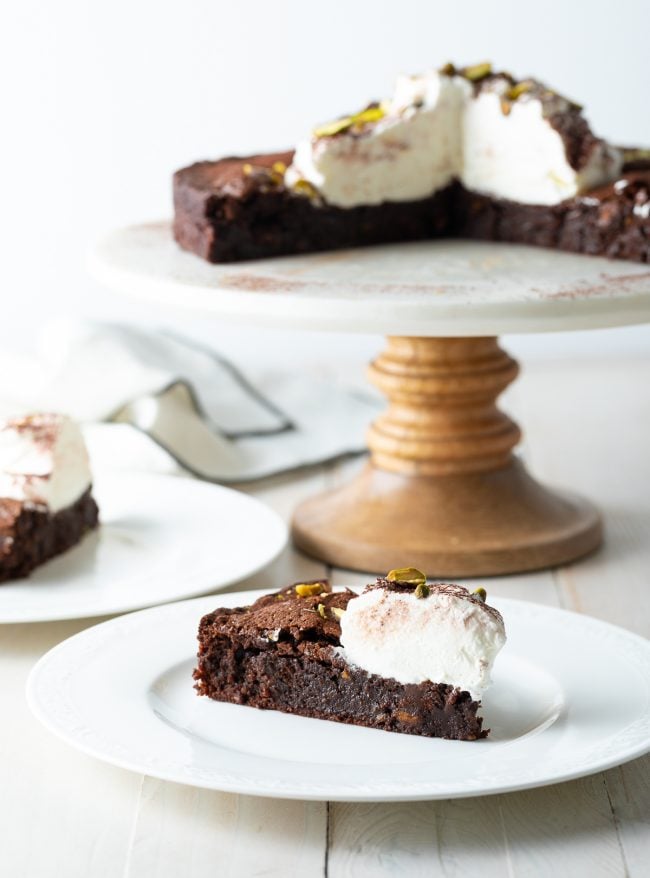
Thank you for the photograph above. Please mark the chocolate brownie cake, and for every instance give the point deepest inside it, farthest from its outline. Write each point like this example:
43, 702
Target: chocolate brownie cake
455, 152
46, 502
404, 656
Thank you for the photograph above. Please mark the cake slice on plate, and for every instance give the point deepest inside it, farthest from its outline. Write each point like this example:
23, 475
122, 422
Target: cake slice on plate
46, 502
404, 656
454, 152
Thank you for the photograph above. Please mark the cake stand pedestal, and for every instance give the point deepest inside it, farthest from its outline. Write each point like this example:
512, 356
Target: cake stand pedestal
442, 489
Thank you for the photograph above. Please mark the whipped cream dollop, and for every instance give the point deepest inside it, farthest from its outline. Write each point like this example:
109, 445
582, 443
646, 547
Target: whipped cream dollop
43, 461
451, 636
520, 156
438, 127
408, 154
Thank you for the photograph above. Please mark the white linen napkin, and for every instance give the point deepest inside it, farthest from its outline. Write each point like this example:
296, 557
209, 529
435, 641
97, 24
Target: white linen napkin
198, 407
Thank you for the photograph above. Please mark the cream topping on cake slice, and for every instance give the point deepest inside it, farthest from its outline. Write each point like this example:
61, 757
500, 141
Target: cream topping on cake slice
43, 461
512, 149
509, 139
408, 153
413, 632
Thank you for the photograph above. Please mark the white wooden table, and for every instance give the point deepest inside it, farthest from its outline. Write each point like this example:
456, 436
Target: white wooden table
63, 814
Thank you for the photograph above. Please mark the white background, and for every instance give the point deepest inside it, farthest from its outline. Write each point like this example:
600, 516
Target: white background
103, 100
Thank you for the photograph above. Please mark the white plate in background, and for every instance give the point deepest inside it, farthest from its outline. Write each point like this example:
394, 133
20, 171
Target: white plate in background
161, 538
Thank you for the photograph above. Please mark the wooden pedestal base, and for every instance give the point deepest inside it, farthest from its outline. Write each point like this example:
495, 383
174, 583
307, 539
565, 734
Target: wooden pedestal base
475, 524
443, 491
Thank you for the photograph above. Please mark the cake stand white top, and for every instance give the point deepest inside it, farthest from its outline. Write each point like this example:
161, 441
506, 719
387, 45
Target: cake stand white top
432, 288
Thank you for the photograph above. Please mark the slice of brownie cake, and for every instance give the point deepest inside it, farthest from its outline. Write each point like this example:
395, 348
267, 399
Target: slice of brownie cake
454, 152
46, 503
404, 656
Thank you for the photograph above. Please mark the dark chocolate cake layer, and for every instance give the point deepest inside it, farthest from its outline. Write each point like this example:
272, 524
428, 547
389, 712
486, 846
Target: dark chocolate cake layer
225, 215
30, 535
281, 654
238, 208
612, 221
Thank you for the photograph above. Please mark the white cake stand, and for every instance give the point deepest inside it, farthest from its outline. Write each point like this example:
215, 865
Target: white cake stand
442, 489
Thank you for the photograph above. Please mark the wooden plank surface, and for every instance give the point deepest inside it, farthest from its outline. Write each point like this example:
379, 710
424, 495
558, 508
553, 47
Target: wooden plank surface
587, 426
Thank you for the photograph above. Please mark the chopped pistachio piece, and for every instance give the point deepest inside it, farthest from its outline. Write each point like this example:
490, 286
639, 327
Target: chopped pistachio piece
477, 71
448, 69
304, 187
372, 113
329, 129
307, 589
480, 593
321, 611
519, 89
407, 574
422, 590
273, 175
276, 176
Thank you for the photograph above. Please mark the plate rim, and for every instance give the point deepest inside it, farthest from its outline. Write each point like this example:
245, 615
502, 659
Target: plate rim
289, 790
122, 608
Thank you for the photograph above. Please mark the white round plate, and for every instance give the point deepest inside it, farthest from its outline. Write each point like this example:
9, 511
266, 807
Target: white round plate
429, 288
161, 538
571, 696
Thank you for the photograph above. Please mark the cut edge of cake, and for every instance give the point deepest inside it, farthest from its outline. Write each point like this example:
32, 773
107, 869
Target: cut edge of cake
287, 652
